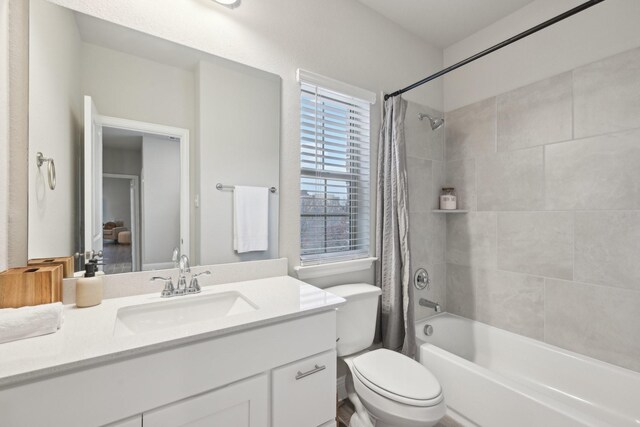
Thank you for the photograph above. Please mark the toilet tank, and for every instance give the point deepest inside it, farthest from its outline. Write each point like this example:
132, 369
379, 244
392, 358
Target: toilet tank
356, 319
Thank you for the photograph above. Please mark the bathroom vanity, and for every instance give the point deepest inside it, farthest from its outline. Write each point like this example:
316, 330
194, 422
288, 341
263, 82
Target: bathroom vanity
255, 353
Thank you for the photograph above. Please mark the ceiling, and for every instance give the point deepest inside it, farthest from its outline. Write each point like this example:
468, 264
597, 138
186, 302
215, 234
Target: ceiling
442, 23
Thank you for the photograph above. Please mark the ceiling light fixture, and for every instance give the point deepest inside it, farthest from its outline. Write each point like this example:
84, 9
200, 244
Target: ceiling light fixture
229, 3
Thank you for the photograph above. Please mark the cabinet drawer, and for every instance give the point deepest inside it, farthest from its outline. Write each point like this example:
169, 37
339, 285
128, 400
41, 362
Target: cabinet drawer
304, 392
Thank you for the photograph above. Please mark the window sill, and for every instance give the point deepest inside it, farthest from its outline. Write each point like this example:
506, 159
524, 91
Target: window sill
329, 269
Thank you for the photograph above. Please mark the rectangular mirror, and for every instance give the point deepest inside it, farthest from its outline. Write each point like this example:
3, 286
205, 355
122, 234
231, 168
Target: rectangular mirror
133, 133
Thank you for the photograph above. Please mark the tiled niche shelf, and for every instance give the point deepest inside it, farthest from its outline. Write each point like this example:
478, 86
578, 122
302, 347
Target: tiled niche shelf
450, 211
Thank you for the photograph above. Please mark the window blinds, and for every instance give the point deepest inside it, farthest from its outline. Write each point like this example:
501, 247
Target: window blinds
334, 175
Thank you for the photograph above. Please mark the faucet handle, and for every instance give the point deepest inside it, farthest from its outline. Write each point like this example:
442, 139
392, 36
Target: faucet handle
205, 273
194, 286
168, 290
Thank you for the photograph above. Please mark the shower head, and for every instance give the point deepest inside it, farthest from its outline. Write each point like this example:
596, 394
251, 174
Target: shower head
435, 123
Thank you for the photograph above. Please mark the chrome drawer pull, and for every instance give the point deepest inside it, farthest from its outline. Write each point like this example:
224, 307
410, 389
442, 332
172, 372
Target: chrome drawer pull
301, 375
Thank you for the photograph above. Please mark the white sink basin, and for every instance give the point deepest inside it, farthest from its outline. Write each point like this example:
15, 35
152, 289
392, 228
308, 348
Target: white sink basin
179, 311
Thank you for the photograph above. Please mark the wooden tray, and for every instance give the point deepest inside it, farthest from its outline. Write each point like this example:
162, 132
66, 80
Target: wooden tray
30, 285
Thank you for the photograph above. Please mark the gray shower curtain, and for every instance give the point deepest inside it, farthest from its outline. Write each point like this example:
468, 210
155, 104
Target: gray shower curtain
393, 268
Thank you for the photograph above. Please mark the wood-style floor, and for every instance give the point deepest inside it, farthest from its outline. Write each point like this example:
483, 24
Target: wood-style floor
116, 258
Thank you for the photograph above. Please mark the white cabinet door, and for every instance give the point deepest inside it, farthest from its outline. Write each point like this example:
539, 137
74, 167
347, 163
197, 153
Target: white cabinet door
129, 422
304, 392
242, 404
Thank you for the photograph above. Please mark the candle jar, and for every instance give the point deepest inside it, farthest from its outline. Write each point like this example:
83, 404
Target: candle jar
448, 199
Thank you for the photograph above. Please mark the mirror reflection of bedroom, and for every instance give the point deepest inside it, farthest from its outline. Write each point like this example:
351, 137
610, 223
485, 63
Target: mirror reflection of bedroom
134, 217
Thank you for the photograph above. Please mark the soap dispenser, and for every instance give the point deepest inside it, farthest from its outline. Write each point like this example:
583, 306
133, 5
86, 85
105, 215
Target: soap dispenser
89, 287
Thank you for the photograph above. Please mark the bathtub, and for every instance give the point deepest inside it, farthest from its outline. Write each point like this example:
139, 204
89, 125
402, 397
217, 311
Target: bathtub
494, 378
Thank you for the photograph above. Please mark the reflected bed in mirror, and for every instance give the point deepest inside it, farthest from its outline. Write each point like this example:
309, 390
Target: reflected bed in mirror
141, 129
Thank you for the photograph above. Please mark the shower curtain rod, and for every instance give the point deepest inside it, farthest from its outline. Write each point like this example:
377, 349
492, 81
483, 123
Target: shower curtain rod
498, 46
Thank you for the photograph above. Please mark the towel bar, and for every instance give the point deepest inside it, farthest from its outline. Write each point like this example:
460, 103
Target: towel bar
231, 187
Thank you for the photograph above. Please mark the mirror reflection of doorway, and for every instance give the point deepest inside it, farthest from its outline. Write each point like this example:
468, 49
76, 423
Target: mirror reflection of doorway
122, 169
140, 199
121, 210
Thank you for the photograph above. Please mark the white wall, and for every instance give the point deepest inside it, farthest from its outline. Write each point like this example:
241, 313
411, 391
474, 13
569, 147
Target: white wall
4, 133
236, 153
606, 29
130, 87
116, 204
342, 39
123, 162
160, 199
17, 56
54, 129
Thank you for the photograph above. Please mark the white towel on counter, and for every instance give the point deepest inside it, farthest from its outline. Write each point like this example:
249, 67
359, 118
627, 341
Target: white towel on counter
250, 219
32, 321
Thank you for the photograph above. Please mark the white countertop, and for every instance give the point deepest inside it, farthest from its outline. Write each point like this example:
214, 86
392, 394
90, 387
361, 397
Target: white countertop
87, 334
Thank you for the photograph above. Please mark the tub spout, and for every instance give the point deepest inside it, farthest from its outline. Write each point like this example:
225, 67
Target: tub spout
426, 303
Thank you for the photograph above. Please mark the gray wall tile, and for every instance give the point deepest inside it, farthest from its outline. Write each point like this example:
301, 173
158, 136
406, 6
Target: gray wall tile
420, 173
461, 174
511, 301
439, 181
427, 237
598, 321
606, 95
511, 181
461, 292
436, 292
536, 114
471, 131
608, 248
427, 231
538, 243
471, 239
601, 172
421, 141
552, 209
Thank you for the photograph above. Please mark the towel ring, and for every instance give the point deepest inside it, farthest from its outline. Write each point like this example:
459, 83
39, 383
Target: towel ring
51, 169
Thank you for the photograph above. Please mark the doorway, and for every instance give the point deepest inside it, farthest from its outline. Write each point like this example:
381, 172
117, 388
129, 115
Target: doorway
121, 213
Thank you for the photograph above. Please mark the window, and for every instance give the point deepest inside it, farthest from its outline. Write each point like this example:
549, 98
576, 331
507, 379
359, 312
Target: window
334, 172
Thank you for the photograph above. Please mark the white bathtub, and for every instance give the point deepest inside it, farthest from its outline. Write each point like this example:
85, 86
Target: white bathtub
495, 378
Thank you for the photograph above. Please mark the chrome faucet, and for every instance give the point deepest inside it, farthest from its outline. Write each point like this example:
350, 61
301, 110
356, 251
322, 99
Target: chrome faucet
430, 304
185, 268
182, 288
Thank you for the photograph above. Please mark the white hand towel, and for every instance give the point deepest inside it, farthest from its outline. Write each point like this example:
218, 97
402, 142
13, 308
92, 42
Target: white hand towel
250, 219
26, 322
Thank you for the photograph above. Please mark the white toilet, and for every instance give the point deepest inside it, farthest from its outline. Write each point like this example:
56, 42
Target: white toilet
386, 388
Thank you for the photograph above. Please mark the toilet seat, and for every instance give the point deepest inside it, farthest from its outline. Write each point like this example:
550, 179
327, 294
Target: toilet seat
398, 378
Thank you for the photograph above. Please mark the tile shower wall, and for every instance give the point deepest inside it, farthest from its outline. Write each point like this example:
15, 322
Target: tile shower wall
425, 168
550, 173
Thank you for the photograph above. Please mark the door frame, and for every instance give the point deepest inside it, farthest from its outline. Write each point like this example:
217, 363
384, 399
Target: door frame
183, 136
135, 216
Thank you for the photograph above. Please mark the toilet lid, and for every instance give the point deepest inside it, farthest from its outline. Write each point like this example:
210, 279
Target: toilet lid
397, 377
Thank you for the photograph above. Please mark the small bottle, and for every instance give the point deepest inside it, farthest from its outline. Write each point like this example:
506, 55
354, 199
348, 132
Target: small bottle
89, 287
448, 199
